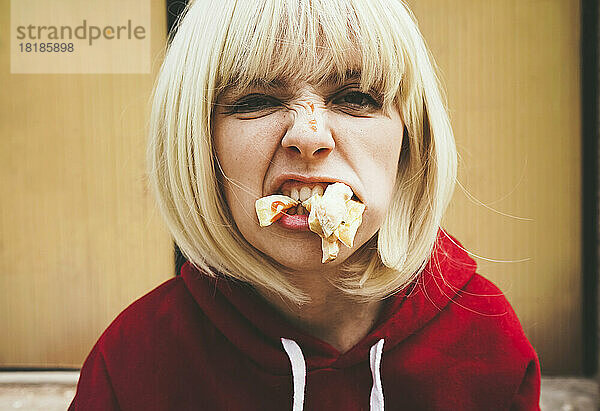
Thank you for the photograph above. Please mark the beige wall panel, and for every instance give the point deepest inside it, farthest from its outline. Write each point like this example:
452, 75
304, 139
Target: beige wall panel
81, 237
511, 69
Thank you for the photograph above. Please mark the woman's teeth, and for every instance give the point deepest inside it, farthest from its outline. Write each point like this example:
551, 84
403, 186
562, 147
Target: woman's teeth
303, 193
317, 190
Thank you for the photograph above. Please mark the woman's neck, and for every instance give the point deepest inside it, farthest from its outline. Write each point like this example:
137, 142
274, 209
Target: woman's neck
331, 315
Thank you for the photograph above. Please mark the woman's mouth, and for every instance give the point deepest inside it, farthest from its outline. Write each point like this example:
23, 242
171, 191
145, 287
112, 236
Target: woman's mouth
294, 222
329, 213
296, 218
302, 191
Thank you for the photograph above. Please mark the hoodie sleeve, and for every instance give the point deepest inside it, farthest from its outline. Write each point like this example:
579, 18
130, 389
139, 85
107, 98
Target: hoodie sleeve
528, 395
94, 389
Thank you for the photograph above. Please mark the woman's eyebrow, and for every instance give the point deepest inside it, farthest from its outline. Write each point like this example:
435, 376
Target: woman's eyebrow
257, 83
276, 83
335, 79
280, 84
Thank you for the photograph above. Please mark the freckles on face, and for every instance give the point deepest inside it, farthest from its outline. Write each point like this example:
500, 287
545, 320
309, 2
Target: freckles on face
244, 150
372, 149
263, 137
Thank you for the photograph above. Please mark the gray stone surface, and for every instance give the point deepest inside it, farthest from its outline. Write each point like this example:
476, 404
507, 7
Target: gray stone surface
558, 394
38, 397
569, 394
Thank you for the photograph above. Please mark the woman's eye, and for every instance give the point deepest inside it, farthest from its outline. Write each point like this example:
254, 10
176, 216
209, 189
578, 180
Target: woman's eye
356, 99
253, 103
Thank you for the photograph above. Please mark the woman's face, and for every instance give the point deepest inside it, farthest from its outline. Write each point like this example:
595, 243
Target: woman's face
277, 138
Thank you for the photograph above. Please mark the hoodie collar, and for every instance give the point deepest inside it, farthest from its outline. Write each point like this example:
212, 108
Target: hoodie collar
256, 328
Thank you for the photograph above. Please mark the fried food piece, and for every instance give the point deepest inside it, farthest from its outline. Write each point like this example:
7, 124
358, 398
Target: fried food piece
334, 216
269, 209
352, 220
330, 249
333, 206
313, 223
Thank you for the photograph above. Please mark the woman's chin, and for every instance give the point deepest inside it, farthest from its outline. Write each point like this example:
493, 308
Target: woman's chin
308, 258
298, 251
302, 253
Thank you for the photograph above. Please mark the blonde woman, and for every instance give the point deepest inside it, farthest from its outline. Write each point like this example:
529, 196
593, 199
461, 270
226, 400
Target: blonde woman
292, 100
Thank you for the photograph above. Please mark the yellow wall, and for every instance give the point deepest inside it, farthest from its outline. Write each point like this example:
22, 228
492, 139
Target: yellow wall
81, 238
511, 68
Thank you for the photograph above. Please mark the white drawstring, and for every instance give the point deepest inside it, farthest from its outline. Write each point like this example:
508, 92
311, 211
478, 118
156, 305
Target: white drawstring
377, 389
293, 351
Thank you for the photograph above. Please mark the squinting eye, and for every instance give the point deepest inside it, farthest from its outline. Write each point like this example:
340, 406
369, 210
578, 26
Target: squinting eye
357, 99
253, 103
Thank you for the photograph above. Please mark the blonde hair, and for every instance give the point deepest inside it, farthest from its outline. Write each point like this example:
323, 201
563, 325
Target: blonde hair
230, 42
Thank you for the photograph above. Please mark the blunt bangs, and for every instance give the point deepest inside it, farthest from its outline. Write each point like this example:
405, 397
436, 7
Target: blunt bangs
314, 40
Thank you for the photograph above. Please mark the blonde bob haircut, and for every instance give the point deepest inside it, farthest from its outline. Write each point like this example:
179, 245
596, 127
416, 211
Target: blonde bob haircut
237, 42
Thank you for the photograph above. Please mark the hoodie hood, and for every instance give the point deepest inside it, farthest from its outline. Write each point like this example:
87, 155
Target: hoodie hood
258, 330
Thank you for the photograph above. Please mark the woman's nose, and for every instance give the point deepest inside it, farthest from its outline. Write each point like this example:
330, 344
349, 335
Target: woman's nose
308, 135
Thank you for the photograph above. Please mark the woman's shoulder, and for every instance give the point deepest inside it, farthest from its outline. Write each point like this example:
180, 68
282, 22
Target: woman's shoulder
492, 317
482, 296
154, 302
452, 281
150, 347
148, 316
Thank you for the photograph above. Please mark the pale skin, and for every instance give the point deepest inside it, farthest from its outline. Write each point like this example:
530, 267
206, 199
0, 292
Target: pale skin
270, 134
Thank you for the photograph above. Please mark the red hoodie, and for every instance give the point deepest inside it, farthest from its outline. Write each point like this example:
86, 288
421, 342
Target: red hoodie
450, 342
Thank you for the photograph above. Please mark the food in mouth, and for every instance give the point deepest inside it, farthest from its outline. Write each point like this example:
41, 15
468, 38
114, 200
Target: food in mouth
270, 209
333, 216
